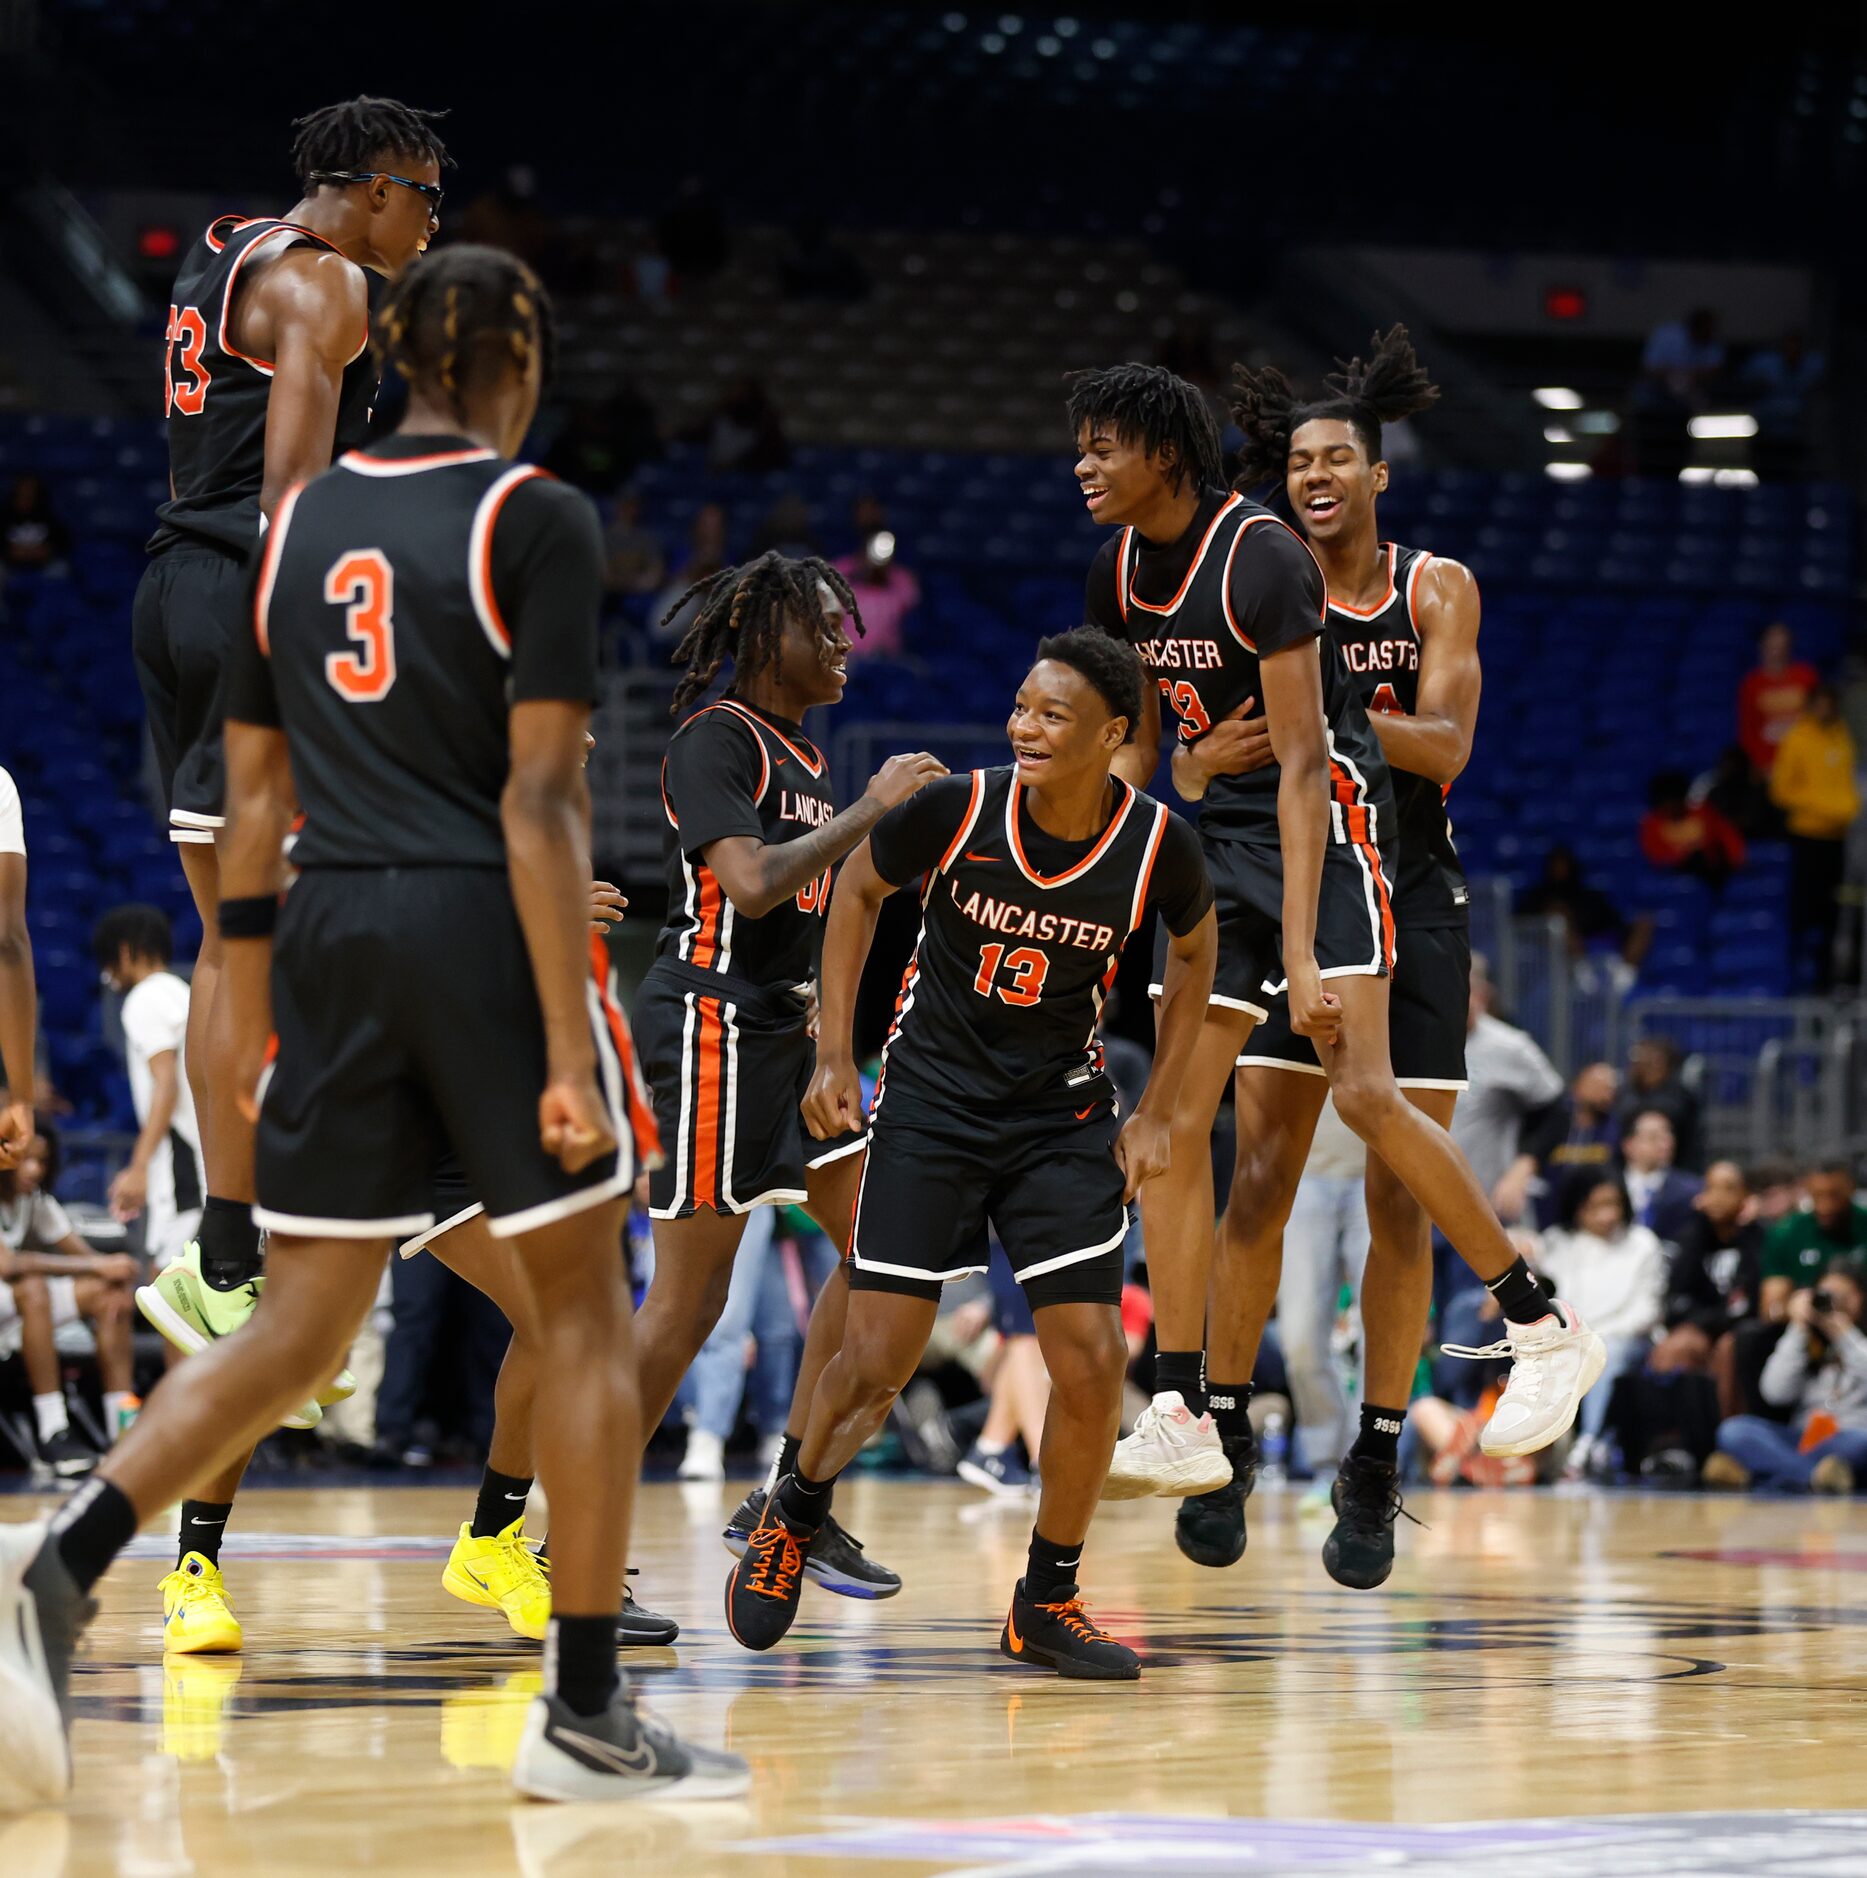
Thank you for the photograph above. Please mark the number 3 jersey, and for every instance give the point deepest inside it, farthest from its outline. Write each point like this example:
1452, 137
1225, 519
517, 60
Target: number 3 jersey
1021, 934
403, 602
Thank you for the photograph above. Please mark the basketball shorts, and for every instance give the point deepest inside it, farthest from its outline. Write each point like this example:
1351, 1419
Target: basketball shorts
728, 1064
1354, 919
189, 604
388, 1054
1426, 1016
1047, 1184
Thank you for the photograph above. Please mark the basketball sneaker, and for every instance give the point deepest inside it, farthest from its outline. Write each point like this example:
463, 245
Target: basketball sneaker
197, 1615
622, 1754
1002, 1474
340, 1388
1210, 1527
835, 1560
1172, 1452
1060, 1636
503, 1574
69, 1455
1359, 1553
42, 1615
640, 1627
762, 1590
1554, 1363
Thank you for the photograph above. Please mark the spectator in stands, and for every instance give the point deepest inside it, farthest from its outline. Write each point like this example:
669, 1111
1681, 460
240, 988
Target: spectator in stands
1830, 1224
1682, 363
633, 563
886, 593
1775, 1189
1778, 382
1714, 1283
1512, 1086
1589, 917
1813, 783
1017, 1395
19, 998
1578, 1131
1818, 1371
744, 435
1681, 836
1598, 1252
1770, 697
32, 538
816, 266
1661, 1195
706, 555
1656, 1080
1739, 794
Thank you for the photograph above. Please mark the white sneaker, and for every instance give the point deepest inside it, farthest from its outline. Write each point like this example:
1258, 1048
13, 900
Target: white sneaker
1554, 1363
35, 1757
705, 1458
1172, 1452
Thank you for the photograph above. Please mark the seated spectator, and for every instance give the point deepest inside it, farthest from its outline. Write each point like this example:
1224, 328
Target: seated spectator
1590, 919
1016, 1397
1775, 1189
744, 435
1579, 1130
1441, 1444
886, 593
1511, 1087
706, 555
1614, 1272
1678, 370
1656, 1080
1714, 1283
1818, 1372
32, 538
1813, 783
632, 559
1778, 382
1681, 836
1660, 1194
1739, 794
1830, 1224
1770, 697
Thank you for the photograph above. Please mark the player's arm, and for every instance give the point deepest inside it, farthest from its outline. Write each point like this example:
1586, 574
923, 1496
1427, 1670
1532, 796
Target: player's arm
1292, 682
19, 1010
1240, 741
129, 1192
1436, 740
1144, 1148
316, 305
260, 805
833, 1103
73, 1258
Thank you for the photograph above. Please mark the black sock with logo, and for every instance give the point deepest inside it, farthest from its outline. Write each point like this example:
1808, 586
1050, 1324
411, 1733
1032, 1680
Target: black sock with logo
1521, 1298
1230, 1407
1379, 1439
1185, 1372
1050, 1572
502, 1500
204, 1525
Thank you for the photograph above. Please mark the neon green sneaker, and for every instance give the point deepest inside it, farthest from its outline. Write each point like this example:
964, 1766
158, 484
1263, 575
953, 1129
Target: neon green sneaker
191, 1313
340, 1388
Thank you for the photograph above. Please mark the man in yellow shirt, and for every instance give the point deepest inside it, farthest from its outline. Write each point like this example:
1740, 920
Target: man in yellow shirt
1813, 783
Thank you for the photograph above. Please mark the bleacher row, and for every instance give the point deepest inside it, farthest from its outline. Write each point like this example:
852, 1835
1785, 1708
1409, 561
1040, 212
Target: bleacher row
1619, 619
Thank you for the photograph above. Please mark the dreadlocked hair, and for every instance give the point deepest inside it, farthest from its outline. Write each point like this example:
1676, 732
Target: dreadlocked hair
739, 614
1150, 405
460, 311
350, 136
1388, 385
1109, 664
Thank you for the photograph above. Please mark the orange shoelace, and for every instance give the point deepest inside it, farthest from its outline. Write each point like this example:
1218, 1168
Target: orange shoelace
776, 1558
1075, 1619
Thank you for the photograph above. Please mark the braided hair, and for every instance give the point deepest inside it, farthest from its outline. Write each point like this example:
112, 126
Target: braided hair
1388, 385
739, 613
458, 312
1151, 405
1110, 665
350, 136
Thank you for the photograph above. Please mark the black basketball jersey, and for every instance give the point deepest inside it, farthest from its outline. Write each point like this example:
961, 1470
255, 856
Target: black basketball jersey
1020, 938
1380, 648
1239, 585
215, 395
733, 769
402, 603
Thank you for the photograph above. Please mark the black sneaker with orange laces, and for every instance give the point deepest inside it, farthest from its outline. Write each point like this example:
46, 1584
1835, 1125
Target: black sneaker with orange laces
762, 1589
1060, 1636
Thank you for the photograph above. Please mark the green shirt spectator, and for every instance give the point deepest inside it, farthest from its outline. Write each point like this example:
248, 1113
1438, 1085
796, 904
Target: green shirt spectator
1832, 1225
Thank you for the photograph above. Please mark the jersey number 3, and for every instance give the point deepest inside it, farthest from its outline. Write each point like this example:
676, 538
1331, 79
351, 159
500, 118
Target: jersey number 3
363, 584
186, 394
1028, 968
1187, 707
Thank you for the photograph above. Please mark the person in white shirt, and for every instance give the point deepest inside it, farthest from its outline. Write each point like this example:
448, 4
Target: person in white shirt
1510, 1081
19, 1003
163, 1179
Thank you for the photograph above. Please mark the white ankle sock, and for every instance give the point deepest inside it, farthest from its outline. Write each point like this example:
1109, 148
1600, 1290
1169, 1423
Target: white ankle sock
51, 1414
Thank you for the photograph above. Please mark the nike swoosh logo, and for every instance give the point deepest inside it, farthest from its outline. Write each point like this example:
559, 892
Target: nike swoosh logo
984, 860
624, 1761
1011, 1630
204, 1522
518, 1496
1082, 1115
465, 1572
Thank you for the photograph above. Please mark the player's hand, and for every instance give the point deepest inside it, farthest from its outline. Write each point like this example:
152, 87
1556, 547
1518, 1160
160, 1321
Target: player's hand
833, 1102
1314, 1012
16, 1132
129, 1192
607, 904
1236, 744
1143, 1149
118, 1267
573, 1125
901, 776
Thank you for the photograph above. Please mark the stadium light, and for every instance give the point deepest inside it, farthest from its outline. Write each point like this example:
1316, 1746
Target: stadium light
1555, 433
1735, 478
1557, 398
1723, 424
1697, 473
1598, 423
1568, 472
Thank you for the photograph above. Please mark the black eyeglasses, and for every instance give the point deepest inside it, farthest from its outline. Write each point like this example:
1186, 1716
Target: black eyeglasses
431, 193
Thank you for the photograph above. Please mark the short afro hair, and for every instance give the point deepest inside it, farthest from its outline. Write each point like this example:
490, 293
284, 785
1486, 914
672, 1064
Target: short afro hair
144, 929
1109, 664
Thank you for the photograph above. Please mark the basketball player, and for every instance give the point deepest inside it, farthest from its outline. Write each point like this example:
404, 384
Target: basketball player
993, 1103
722, 1017
1405, 624
421, 657
1227, 607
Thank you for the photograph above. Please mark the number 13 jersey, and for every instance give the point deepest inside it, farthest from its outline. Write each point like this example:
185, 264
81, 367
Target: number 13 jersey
1021, 934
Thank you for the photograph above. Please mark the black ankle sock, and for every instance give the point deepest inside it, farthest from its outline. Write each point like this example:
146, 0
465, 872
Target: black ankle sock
204, 1525
1519, 1295
502, 1500
96, 1523
1184, 1370
1379, 1439
803, 1503
229, 1244
787, 1454
1230, 1406
1050, 1571
581, 1662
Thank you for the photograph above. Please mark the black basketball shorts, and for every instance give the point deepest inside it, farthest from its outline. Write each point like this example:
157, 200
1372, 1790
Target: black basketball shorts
189, 604
728, 1064
407, 1022
1426, 1016
1354, 920
1047, 1184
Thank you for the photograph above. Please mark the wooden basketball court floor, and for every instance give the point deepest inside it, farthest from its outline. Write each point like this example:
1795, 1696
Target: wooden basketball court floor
1556, 1682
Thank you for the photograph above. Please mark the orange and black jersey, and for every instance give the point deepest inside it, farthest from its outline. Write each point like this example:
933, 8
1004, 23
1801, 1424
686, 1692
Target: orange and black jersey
1021, 934
1236, 587
732, 769
403, 602
215, 395
1380, 648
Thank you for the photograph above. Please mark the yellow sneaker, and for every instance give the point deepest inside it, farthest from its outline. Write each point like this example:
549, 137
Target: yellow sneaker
504, 1574
197, 1618
195, 1694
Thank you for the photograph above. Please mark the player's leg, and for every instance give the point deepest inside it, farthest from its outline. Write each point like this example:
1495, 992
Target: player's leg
693, 1272
107, 1306
61, 1447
